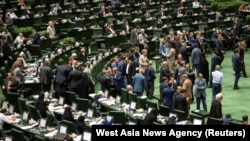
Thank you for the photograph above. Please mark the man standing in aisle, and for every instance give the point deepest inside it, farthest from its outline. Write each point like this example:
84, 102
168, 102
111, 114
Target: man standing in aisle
217, 81
236, 67
150, 77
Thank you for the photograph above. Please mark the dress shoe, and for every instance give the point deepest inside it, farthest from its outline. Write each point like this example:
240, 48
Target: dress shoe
235, 88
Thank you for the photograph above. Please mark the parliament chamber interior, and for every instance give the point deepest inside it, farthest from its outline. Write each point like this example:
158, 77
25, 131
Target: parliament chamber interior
67, 65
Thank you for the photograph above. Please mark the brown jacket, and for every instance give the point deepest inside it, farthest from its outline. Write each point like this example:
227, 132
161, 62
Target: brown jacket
187, 86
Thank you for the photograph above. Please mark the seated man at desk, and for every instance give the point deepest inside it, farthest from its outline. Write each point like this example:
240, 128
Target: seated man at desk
126, 27
19, 41
73, 7
196, 4
103, 10
110, 30
4, 118
159, 23
10, 84
57, 9
115, 3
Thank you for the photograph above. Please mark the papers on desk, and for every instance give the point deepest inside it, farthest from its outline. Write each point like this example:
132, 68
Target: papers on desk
138, 114
61, 111
86, 137
109, 102
184, 122
95, 122
51, 134
102, 99
92, 95
29, 81
17, 120
29, 126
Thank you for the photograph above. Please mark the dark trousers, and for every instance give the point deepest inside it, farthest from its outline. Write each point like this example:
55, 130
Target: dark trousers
195, 67
237, 77
216, 88
150, 88
139, 93
243, 69
60, 90
203, 100
129, 79
46, 87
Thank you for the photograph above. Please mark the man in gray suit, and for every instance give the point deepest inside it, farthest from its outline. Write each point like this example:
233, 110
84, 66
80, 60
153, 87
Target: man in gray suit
236, 67
139, 83
134, 36
200, 92
46, 76
195, 55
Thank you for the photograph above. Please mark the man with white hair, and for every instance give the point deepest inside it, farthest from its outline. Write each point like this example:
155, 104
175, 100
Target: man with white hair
51, 30
216, 108
217, 81
143, 36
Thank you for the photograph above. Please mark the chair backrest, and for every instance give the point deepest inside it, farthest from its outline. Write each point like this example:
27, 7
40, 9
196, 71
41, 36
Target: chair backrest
235, 123
119, 117
38, 138
70, 126
152, 104
13, 100
124, 95
164, 110
33, 112
180, 114
82, 104
214, 121
70, 97
141, 103
22, 104
132, 97
195, 116
17, 135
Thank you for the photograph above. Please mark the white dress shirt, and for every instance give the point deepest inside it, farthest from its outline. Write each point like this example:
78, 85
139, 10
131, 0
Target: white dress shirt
217, 77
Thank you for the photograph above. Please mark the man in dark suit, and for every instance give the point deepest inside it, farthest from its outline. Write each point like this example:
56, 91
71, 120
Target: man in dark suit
130, 70
46, 76
74, 78
36, 38
105, 81
163, 85
216, 108
10, 85
167, 94
236, 67
61, 76
179, 100
237, 29
215, 60
220, 48
184, 51
122, 65
150, 77
126, 27
240, 46
164, 72
196, 55
118, 81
